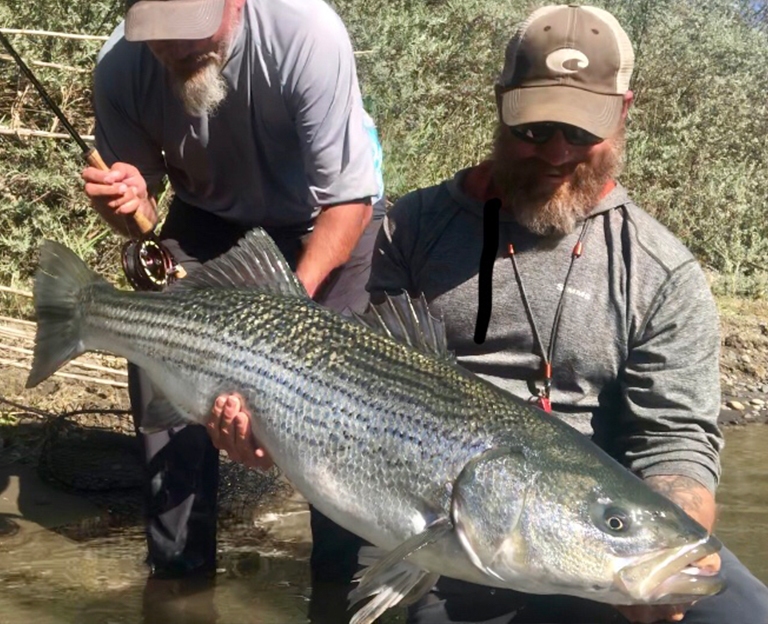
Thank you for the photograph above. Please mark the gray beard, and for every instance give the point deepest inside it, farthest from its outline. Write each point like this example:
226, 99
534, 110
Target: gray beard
554, 214
203, 92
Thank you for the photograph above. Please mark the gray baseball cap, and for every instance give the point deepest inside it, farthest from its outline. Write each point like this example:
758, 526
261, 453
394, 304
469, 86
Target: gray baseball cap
570, 64
150, 20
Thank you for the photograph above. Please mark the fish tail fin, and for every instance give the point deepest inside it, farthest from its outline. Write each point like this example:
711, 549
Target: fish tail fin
59, 280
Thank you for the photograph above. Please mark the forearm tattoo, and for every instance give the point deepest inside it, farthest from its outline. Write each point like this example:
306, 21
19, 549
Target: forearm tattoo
688, 493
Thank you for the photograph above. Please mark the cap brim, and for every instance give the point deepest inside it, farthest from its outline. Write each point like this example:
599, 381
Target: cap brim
597, 113
151, 20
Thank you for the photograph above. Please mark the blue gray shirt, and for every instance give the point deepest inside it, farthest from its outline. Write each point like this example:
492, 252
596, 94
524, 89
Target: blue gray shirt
635, 361
290, 137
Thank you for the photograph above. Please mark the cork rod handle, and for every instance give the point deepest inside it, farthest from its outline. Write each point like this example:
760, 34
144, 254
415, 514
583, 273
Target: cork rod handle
94, 159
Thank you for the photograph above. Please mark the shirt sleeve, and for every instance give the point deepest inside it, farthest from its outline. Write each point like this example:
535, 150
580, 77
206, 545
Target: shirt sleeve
117, 101
671, 384
324, 98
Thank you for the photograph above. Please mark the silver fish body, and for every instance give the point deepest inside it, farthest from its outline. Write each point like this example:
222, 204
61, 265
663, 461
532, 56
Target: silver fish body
398, 444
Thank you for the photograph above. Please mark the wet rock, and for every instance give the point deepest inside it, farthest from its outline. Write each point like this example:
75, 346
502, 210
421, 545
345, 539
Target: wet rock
729, 417
736, 405
8, 527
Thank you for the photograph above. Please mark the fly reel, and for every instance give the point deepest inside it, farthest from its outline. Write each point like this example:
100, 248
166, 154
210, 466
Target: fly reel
148, 265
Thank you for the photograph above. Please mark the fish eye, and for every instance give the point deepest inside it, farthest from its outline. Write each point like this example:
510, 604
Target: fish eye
616, 520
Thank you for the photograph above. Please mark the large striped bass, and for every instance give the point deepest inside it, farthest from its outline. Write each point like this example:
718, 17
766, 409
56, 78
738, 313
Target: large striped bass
377, 426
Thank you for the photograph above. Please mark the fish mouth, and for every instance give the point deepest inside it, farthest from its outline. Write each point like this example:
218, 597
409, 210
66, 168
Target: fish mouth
667, 576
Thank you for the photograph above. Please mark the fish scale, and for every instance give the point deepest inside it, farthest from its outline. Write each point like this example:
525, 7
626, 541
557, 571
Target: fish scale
396, 443
283, 378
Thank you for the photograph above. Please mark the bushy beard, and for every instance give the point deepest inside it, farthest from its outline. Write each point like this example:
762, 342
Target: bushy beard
552, 213
202, 92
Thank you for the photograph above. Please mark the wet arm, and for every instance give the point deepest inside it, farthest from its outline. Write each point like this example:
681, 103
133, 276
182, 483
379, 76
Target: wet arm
695, 499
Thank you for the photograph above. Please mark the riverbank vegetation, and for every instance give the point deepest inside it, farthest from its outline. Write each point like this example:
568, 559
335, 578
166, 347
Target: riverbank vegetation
697, 135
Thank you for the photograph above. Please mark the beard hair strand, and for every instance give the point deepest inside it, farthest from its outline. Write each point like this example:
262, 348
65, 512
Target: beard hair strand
203, 92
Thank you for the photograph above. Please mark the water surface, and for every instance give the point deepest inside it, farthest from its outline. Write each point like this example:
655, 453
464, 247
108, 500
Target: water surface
63, 577
743, 497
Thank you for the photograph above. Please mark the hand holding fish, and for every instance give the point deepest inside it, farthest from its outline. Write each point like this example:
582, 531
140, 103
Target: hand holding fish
654, 613
230, 429
698, 503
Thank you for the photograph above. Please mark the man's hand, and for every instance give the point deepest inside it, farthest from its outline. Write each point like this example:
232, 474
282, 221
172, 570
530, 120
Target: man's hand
230, 429
668, 613
699, 503
656, 613
118, 193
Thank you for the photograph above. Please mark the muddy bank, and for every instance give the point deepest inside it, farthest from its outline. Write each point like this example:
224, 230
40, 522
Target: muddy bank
744, 361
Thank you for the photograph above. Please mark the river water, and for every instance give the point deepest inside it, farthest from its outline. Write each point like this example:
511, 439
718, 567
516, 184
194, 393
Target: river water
48, 577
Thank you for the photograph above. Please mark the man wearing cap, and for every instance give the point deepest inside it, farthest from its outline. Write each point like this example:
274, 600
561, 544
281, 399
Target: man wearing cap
252, 110
598, 313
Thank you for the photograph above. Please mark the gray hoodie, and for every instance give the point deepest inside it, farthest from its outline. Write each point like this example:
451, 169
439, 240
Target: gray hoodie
636, 355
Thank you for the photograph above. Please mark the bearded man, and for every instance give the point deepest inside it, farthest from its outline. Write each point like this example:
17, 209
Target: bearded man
598, 312
252, 110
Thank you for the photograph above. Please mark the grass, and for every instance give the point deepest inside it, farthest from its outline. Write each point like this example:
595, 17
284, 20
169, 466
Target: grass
697, 137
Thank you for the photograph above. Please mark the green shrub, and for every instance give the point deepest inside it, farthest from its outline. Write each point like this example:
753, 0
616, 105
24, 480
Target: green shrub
696, 137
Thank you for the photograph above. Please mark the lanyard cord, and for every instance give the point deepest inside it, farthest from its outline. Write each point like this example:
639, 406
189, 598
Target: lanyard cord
548, 356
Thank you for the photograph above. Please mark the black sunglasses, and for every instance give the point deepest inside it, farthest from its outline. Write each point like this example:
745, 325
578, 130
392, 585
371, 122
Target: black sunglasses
540, 133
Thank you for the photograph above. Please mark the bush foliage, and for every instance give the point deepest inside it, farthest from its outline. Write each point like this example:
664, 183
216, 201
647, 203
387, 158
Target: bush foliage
697, 135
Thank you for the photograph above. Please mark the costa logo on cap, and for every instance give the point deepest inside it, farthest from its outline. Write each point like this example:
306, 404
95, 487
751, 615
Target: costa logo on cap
567, 61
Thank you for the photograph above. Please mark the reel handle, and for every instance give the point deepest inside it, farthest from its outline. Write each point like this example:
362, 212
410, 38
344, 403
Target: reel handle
94, 159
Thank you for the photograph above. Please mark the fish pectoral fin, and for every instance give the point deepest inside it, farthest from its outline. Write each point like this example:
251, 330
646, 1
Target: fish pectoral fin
404, 585
255, 262
162, 415
369, 555
426, 583
391, 580
434, 532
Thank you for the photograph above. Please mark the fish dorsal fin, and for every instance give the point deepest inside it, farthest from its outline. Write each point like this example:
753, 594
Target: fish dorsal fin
255, 262
409, 321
